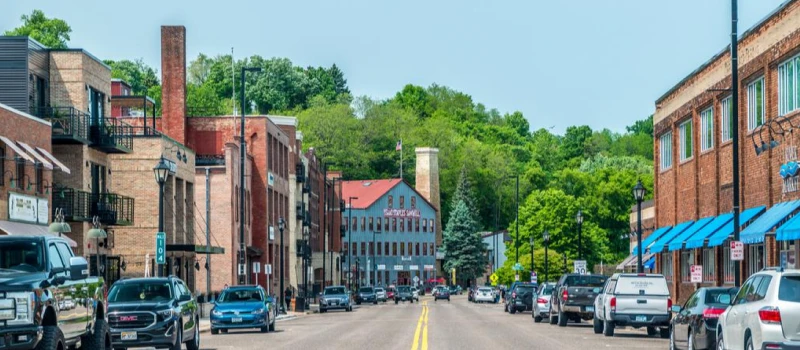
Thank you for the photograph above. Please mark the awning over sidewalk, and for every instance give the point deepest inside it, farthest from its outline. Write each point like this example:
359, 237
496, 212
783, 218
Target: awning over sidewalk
53, 159
652, 238
726, 231
18, 151
650, 263
22, 229
625, 262
754, 233
789, 230
39, 157
645, 258
677, 242
659, 245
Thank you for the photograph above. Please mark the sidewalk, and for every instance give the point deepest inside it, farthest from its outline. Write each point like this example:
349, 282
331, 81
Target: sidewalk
205, 324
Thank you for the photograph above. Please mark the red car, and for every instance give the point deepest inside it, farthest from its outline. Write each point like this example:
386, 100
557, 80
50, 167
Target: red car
390, 293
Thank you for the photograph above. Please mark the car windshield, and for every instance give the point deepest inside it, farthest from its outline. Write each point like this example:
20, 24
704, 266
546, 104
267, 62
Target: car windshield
404, 289
547, 289
140, 291
334, 290
585, 281
789, 289
240, 295
23, 256
366, 290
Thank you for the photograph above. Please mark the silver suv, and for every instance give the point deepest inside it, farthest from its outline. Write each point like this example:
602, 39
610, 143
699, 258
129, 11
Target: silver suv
765, 313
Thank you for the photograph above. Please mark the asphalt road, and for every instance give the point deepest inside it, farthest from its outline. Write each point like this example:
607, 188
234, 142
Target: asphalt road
428, 325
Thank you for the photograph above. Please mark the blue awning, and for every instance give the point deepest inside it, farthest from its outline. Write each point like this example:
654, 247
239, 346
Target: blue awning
677, 243
699, 238
650, 263
658, 246
652, 238
754, 233
790, 230
726, 231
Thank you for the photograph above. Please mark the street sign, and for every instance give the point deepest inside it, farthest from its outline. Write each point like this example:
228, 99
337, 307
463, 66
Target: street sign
268, 269
517, 267
256, 267
494, 278
241, 269
428, 267
414, 267
696, 273
516, 277
534, 278
381, 267
579, 266
737, 251
161, 248
416, 279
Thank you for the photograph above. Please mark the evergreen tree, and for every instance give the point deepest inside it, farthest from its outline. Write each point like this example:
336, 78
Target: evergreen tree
462, 244
464, 193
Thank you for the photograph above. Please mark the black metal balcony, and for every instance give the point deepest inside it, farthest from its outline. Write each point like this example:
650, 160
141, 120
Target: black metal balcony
110, 208
111, 135
70, 125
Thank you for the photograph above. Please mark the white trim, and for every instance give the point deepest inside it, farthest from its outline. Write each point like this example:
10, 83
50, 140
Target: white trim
665, 153
682, 137
752, 109
726, 132
26, 115
283, 120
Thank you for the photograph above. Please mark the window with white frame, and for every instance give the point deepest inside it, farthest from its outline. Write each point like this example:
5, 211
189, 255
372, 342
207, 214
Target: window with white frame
755, 104
788, 257
727, 264
687, 260
788, 91
709, 265
665, 153
755, 258
726, 122
707, 129
666, 265
686, 140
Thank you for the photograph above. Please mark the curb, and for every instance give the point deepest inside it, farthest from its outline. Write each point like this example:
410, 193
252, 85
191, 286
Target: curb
206, 327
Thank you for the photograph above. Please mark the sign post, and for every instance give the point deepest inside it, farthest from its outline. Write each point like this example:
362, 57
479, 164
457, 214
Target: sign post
534, 278
696, 273
257, 270
737, 251
579, 266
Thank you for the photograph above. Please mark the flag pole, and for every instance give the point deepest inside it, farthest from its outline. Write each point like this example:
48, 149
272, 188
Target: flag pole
401, 159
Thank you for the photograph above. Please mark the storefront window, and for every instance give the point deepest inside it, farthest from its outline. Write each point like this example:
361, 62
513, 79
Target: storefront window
788, 254
666, 265
727, 264
687, 260
755, 261
709, 265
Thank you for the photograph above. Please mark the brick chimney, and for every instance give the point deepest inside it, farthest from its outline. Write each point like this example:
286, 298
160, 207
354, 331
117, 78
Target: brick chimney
173, 82
427, 170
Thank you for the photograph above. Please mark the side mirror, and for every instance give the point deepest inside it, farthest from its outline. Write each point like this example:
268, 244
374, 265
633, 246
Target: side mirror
78, 268
676, 308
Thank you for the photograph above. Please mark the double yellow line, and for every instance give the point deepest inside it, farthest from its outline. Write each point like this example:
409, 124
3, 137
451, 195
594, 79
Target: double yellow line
423, 320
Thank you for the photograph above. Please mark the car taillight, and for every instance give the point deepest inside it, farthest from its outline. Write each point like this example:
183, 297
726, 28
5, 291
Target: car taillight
712, 312
613, 304
770, 315
564, 295
669, 304
541, 301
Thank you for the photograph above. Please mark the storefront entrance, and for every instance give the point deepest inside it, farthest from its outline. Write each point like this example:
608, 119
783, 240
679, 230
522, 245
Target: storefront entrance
403, 278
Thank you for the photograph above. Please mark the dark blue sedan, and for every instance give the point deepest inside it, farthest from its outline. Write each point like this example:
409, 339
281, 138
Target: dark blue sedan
243, 307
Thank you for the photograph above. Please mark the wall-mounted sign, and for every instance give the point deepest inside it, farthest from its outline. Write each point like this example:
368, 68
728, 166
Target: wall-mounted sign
270, 179
401, 213
272, 233
27, 208
696, 273
42, 206
790, 169
398, 267
428, 267
414, 267
381, 267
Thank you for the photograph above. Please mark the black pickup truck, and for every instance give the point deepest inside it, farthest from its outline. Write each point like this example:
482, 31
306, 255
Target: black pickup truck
573, 298
48, 300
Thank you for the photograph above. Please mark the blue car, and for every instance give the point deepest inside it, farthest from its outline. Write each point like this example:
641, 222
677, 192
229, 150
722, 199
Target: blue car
243, 307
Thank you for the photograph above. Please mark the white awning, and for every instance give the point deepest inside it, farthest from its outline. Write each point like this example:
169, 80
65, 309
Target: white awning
16, 149
21, 229
38, 156
53, 159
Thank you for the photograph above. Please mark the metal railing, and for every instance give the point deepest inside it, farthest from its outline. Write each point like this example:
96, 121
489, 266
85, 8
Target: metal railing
111, 208
112, 134
69, 123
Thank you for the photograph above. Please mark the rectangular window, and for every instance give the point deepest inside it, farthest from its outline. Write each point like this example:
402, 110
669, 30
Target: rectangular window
402, 249
687, 149
413, 202
707, 129
386, 248
687, 260
665, 148
755, 258
666, 265
21, 173
355, 249
726, 122
371, 248
417, 249
363, 248
390, 201
386, 224
354, 224
727, 264
709, 265
755, 104
394, 248
409, 224
394, 224
402, 224
378, 225
402, 202
431, 248
416, 225
363, 223
39, 178
424, 225
378, 249
788, 90
424, 248
788, 254
371, 225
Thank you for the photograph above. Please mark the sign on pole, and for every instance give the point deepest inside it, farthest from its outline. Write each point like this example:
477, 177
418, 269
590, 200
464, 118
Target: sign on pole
256, 267
268, 269
579, 266
161, 248
516, 277
696, 273
737, 251
241, 269
517, 267
534, 278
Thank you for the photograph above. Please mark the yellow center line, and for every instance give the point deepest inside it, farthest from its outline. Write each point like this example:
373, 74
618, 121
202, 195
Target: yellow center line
422, 318
425, 330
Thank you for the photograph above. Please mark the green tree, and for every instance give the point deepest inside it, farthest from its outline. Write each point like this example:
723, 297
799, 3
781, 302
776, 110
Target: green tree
51, 32
136, 73
462, 245
644, 126
464, 194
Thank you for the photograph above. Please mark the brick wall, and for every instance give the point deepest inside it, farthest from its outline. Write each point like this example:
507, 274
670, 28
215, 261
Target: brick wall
71, 73
173, 77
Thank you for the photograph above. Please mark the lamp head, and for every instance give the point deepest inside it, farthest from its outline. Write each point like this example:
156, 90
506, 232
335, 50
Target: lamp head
579, 217
97, 233
546, 236
161, 171
639, 191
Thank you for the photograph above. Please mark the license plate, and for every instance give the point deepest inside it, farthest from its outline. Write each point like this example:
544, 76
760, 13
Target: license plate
236, 319
590, 309
641, 318
128, 336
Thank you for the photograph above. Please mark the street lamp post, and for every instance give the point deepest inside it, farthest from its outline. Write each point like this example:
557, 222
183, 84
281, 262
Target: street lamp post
358, 273
565, 262
281, 226
638, 193
242, 151
161, 171
516, 241
350, 237
546, 241
579, 220
97, 233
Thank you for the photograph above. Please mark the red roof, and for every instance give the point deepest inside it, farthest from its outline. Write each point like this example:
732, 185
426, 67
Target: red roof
367, 191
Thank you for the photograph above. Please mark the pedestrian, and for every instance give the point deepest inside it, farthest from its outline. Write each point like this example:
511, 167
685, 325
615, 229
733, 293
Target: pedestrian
287, 296
225, 287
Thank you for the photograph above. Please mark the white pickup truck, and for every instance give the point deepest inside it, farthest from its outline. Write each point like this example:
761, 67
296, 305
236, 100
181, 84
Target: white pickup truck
636, 300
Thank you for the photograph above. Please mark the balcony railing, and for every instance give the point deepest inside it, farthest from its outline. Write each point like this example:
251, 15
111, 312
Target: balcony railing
70, 125
112, 135
110, 208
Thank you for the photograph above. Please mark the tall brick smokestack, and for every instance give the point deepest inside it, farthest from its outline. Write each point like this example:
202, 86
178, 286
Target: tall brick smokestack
173, 82
427, 171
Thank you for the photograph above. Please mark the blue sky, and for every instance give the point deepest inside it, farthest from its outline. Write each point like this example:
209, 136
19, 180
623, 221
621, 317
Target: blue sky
561, 63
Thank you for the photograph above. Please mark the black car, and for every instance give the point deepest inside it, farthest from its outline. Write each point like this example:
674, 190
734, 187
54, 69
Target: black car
521, 298
366, 295
403, 294
153, 312
694, 325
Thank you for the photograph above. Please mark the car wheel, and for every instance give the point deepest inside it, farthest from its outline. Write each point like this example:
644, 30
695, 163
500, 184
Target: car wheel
272, 325
720, 340
671, 340
597, 325
608, 329
748, 343
664, 332
100, 338
214, 331
52, 338
178, 337
690, 346
551, 318
537, 319
562, 319
651, 331
194, 344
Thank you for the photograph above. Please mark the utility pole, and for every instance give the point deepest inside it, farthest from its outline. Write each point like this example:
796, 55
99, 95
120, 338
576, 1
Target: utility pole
735, 115
324, 226
208, 235
516, 240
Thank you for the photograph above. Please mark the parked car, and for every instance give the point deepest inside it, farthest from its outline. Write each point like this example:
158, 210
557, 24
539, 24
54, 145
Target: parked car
573, 298
541, 308
380, 293
153, 312
635, 300
441, 292
390, 292
694, 325
46, 266
415, 293
243, 307
521, 298
403, 294
765, 314
483, 295
366, 295
337, 297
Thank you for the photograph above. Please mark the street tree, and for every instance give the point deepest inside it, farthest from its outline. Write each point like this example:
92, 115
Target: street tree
462, 245
51, 32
